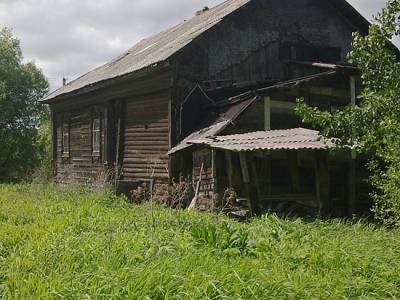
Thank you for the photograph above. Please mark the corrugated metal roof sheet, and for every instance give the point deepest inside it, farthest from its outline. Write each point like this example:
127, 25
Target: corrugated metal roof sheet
155, 49
225, 117
290, 139
201, 134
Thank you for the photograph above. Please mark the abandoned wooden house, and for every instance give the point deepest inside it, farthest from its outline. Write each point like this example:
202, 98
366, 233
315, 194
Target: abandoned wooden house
214, 97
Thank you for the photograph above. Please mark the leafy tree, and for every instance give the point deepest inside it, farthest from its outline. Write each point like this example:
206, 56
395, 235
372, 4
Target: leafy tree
373, 126
21, 86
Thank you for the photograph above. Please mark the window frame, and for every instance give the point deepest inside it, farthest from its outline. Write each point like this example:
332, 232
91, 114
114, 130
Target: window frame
96, 145
66, 142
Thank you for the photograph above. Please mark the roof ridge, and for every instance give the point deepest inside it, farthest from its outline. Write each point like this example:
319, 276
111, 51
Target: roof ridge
142, 55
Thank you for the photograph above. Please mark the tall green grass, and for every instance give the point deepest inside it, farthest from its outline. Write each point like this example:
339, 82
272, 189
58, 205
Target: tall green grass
56, 244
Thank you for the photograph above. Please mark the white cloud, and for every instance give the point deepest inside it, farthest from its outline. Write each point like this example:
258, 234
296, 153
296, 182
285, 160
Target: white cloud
70, 37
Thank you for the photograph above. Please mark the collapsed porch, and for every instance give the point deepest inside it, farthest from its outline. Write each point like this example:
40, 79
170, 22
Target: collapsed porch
279, 170
255, 145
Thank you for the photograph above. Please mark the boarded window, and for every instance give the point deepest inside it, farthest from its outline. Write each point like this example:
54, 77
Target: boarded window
96, 134
65, 137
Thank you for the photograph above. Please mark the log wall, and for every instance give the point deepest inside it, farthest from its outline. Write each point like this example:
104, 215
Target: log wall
146, 138
80, 165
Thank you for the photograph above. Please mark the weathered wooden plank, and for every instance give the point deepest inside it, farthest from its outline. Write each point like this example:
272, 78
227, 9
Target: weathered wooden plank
146, 136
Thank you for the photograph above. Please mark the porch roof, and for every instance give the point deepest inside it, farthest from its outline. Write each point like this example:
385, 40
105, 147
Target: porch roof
290, 139
226, 116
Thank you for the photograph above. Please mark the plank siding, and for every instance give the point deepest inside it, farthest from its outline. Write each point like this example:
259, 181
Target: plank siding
146, 138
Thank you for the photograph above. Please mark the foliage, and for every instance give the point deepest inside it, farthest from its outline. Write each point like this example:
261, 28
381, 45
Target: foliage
21, 86
373, 126
43, 172
70, 243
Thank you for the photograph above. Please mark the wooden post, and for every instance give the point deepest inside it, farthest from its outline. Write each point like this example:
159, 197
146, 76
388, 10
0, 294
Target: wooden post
322, 182
295, 172
256, 181
352, 186
229, 169
214, 170
54, 142
267, 113
352, 164
244, 166
120, 141
107, 130
246, 178
353, 97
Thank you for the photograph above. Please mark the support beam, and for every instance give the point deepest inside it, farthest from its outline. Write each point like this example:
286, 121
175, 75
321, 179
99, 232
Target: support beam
244, 166
256, 182
229, 168
352, 186
246, 178
107, 135
322, 182
54, 142
352, 163
267, 113
294, 171
120, 140
214, 162
353, 97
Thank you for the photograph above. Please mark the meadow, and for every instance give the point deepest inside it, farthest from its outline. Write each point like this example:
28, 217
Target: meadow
58, 243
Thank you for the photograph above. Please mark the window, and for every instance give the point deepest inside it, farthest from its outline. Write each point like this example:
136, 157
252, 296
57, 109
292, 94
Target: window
96, 134
310, 53
65, 137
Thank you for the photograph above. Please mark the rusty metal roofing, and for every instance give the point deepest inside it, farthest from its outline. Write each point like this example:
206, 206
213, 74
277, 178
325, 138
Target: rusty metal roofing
155, 49
290, 139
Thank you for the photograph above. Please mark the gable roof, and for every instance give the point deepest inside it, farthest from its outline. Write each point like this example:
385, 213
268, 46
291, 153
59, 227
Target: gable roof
159, 48
155, 49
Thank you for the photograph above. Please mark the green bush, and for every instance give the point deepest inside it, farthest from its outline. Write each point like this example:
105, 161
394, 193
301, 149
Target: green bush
22, 85
372, 127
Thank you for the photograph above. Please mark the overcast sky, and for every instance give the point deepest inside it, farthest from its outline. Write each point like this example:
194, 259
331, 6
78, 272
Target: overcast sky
70, 37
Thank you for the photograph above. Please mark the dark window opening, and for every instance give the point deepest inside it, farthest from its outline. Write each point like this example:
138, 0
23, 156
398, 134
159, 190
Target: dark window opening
310, 53
327, 103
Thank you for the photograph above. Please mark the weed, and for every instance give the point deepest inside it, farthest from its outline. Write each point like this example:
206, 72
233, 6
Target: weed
59, 242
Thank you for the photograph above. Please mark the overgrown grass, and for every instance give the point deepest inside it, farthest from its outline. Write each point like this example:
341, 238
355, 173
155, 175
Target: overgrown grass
56, 243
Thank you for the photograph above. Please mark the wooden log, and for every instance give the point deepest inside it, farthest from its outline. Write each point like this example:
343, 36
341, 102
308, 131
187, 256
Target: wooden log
322, 182
120, 140
229, 168
256, 181
351, 186
267, 113
245, 177
295, 172
214, 174
197, 191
